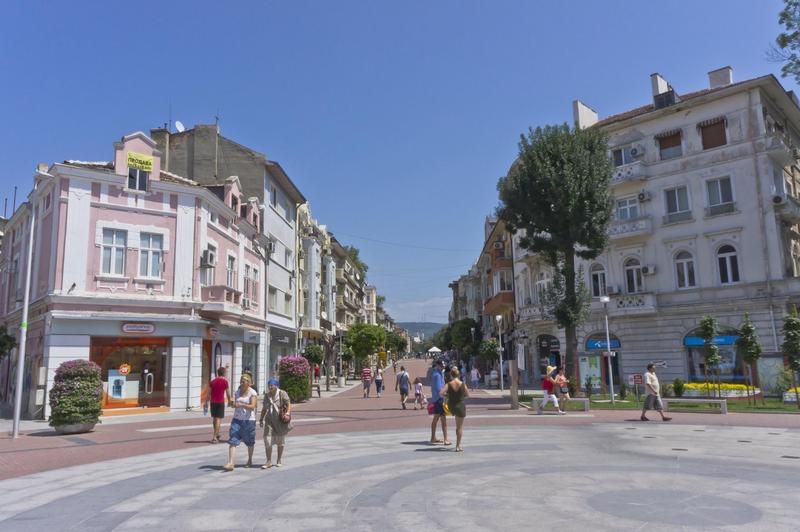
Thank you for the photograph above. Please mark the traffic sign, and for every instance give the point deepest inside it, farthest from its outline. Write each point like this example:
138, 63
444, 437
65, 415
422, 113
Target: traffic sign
637, 378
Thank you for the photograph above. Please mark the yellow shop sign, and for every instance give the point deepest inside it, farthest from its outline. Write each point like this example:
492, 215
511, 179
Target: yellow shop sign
140, 161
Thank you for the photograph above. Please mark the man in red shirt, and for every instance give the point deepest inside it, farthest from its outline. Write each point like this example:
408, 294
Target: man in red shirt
366, 380
219, 391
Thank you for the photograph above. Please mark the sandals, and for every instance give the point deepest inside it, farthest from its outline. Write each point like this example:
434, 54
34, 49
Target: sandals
448, 443
228, 467
267, 465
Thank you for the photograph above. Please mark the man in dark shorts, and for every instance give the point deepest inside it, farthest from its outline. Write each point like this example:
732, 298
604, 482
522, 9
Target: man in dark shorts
437, 385
403, 382
218, 391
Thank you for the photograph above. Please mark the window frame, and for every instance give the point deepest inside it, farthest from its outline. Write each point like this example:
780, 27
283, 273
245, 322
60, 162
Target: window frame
719, 123
686, 266
670, 155
599, 271
138, 176
731, 261
112, 248
678, 215
150, 252
722, 207
636, 275
631, 203
625, 155
231, 274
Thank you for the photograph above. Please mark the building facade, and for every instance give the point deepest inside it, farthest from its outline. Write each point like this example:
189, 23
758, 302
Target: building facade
316, 269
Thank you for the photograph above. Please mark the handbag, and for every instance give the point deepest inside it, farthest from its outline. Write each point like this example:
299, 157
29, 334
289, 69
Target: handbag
285, 416
430, 408
446, 408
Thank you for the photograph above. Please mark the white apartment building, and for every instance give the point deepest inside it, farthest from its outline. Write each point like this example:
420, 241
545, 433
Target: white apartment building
705, 190
316, 272
370, 305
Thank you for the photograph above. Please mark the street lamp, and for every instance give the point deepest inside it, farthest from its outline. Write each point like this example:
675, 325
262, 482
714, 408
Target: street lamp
499, 319
605, 300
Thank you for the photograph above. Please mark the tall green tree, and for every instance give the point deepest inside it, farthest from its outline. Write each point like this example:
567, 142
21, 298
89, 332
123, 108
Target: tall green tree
791, 347
364, 340
750, 350
354, 254
465, 335
395, 343
708, 330
788, 41
443, 338
7, 342
557, 194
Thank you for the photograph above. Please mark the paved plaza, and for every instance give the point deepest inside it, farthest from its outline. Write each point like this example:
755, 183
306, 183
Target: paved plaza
587, 477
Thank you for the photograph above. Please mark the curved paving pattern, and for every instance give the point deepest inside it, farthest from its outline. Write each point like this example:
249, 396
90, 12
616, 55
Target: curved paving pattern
591, 477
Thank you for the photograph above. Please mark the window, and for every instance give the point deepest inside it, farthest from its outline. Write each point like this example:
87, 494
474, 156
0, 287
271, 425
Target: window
677, 205
684, 270
207, 272
254, 287
622, 156
150, 246
235, 204
598, 280
543, 283
287, 259
137, 179
504, 281
114, 243
669, 146
728, 264
627, 209
213, 217
713, 134
231, 278
287, 309
273, 196
633, 276
246, 287
720, 196
273, 299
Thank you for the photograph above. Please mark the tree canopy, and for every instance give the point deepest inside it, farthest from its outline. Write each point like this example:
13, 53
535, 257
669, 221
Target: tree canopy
788, 41
556, 195
353, 253
7, 342
364, 339
395, 343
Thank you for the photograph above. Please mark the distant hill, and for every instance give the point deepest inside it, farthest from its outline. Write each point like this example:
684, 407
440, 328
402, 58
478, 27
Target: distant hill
425, 327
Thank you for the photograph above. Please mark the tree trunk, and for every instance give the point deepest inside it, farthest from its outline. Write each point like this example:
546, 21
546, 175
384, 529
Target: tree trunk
708, 388
796, 391
570, 330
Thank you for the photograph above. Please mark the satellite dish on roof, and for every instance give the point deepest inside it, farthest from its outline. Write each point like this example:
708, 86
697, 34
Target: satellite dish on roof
179, 126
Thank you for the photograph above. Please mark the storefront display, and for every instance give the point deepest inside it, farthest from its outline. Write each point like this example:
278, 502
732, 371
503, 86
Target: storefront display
133, 370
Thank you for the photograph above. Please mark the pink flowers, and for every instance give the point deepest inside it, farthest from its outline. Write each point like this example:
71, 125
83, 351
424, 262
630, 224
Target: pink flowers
295, 365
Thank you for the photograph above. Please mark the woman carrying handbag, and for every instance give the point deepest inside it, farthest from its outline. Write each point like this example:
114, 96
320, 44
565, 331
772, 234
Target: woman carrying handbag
278, 413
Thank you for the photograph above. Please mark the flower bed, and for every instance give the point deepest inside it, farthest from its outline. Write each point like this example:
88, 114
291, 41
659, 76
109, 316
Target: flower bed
789, 396
727, 390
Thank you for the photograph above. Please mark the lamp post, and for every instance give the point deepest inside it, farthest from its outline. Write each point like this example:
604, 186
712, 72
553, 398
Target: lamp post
499, 319
605, 300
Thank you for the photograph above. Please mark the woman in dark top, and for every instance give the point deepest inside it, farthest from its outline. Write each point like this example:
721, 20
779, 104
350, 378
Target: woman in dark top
456, 391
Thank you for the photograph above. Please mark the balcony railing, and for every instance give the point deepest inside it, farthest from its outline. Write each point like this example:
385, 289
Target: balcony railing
630, 228
533, 313
722, 208
639, 303
635, 171
779, 148
788, 208
675, 217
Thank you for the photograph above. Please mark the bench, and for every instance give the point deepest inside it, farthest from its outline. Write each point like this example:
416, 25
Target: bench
722, 403
316, 387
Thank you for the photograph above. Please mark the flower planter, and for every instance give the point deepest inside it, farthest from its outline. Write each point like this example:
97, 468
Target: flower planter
725, 394
74, 428
789, 397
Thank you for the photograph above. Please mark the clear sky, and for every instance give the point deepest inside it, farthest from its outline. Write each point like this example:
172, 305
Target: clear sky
395, 118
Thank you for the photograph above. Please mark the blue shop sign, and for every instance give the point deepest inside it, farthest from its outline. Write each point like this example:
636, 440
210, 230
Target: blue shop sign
696, 341
602, 344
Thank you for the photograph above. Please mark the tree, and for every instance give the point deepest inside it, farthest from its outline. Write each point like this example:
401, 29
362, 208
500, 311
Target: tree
395, 343
7, 342
315, 354
791, 347
708, 330
750, 350
557, 195
353, 253
442, 338
464, 334
364, 339
489, 350
788, 41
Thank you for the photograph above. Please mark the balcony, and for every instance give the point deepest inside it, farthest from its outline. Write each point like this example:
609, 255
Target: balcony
499, 303
778, 147
340, 275
621, 229
533, 313
221, 299
342, 302
634, 171
629, 304
788, 208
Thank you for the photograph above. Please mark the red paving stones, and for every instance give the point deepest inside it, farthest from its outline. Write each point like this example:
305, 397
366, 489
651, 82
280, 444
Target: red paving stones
42, 450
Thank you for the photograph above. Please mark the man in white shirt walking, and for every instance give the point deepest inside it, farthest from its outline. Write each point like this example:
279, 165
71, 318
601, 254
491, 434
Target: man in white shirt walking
653, 399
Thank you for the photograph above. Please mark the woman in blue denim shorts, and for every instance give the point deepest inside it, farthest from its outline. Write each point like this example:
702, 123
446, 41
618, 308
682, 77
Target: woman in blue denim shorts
243, 425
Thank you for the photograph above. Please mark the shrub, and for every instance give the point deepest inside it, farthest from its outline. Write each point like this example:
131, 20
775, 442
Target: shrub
75, 397
784, 382
573, 390
667, 390
293, 374
587, 384
678, 386
315, 354
623, 391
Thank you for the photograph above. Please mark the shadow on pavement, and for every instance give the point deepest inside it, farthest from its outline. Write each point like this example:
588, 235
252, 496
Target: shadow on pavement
424, 442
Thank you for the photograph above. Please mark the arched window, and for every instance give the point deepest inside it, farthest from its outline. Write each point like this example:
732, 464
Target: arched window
728, 262
598, 280
684, 270
633, 276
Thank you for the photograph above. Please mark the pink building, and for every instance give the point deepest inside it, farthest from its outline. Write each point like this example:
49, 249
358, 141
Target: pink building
156, 279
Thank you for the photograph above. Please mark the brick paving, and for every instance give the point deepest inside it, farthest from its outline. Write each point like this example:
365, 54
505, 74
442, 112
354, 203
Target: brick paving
41, 450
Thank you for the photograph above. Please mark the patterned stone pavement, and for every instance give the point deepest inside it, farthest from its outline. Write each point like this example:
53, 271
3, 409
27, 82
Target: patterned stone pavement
594, 476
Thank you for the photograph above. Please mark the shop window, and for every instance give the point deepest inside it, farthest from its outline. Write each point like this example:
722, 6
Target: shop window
669, 146
633, 276
720, 196
728, 262
677, 203
628, 208
598, 280
684, 270
113, 251
731, 366
713, 134
137, 179
150, 252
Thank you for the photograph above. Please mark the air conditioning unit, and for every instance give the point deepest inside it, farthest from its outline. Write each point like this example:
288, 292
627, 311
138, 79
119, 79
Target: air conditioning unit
612, 290
208, 259
637, 151
498, 245
778, 200
643, 196
649, 269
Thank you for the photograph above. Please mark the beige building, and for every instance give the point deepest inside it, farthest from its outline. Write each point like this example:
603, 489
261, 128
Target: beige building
349, 289
316, 285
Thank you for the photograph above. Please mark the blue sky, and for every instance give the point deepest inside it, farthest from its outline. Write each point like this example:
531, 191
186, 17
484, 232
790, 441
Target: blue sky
394, 118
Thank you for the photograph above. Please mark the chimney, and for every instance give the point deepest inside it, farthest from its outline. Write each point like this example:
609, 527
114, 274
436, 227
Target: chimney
583, 115
161, 137
660, 85
720, 77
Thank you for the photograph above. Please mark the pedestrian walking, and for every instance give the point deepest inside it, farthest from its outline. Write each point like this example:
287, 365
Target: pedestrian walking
276, 418
419, 395
316, 372
243, 425
548, 386
653, 399
475, 377
219, 393
379, 380
366, 380
456, 391
403, 383
437, 385
562, 388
